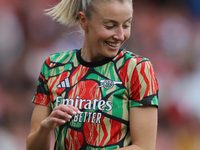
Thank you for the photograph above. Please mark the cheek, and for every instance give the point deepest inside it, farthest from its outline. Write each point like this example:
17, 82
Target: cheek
104, 34
98, 34
127, 33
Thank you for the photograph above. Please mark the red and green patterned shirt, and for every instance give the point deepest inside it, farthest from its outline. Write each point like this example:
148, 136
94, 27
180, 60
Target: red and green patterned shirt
103, 91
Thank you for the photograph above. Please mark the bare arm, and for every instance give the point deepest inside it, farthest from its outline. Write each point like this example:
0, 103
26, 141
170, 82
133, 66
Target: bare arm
143, 128
38, 135
43, 121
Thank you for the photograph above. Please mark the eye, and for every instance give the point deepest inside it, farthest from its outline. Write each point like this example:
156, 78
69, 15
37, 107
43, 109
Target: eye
126, 26
109, 27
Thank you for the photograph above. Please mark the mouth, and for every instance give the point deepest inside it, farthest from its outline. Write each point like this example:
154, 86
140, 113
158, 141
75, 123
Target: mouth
113, 44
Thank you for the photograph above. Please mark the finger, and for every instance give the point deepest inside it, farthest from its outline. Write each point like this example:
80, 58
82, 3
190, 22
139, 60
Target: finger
61, 115
75, 109
51, 122
70, 110
58, 121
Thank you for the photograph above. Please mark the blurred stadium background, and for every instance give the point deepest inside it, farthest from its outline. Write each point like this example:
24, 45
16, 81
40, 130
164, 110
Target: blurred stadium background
165, 31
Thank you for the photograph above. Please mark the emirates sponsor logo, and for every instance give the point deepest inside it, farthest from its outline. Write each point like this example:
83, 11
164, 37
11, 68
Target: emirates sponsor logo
92, 105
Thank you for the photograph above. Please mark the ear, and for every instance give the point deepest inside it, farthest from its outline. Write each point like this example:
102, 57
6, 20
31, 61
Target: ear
82, 20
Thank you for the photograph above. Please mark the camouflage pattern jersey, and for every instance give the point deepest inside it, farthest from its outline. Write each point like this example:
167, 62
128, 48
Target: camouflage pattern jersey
103, 91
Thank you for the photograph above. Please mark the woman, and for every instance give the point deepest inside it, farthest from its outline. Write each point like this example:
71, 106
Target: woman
99, 96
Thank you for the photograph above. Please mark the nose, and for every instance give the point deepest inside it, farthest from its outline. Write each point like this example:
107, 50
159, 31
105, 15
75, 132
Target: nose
119, 34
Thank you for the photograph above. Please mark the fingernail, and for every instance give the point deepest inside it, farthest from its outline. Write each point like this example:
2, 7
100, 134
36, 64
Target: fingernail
69, 116
63, 121
74, 112
69, 120
79, 112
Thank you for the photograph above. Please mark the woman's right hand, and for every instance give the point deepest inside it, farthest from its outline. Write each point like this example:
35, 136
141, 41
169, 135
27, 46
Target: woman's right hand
60, 115
44, 120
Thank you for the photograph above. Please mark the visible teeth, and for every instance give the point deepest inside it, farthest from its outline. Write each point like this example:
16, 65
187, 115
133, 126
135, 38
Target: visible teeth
115, 45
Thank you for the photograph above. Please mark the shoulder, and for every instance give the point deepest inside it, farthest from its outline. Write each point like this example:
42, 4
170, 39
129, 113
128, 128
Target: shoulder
132, 59
62, 56
57, 61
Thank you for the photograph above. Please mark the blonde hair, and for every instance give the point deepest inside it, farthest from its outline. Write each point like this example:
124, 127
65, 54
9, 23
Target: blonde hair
66, 12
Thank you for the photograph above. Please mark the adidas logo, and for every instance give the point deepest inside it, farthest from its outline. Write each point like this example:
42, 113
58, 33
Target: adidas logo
64, 84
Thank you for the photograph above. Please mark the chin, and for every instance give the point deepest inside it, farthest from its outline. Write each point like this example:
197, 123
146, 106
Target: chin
112, 54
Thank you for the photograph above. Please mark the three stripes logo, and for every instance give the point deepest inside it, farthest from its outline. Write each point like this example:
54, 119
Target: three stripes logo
64, 84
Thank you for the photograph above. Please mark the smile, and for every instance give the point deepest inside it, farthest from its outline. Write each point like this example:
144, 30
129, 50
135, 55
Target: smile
113, 44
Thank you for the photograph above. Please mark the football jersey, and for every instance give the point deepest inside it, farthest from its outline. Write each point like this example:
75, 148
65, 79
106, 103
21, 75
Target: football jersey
103, 91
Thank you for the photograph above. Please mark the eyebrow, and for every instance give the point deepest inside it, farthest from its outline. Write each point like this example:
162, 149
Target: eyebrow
110, 20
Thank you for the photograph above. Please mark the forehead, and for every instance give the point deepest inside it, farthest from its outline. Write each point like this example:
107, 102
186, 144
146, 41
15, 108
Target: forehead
113, 9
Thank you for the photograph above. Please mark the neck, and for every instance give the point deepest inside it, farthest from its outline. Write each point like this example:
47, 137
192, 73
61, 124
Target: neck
89, 54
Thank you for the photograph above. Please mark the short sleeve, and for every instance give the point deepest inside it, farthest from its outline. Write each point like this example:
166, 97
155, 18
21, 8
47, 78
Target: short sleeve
144, 86
42, 96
